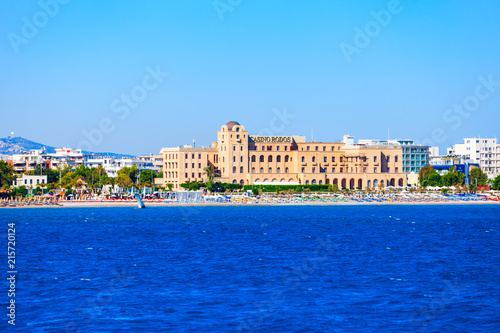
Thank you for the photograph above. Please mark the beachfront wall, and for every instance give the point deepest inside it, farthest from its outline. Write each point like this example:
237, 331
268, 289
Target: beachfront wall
240, 158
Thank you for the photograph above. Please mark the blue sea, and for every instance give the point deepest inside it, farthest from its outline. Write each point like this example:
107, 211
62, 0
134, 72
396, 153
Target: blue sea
331, 268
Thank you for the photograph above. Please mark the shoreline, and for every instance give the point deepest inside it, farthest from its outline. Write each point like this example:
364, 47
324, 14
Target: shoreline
87, 204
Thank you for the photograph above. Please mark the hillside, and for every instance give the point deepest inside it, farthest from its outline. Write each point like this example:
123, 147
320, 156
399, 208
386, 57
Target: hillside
15, 145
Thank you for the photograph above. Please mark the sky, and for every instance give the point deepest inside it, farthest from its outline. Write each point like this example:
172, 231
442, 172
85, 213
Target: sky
135, 76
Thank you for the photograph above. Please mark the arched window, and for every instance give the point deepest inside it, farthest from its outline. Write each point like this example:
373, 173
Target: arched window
286, 170
234, 181
313, 182
270, 170
278, 158
234, 169
314, 159
270, 158
253, 170
324, 159
237, 129
242, 182
278, 170
234, 148
303, 158
320, 182
307, 182
253, 158
241, 169
261, 170
261, 158
286, 158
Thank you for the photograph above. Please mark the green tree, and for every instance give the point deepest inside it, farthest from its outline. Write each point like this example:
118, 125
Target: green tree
453, 178
434, 179
146, 177
478, 177
123, 180
132, 173
6, 174
424, 173
496, 183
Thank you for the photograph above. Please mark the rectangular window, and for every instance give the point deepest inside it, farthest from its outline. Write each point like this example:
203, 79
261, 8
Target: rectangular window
374, 158
333, 158
396, 170
186, 156
388, 169
388, 159
199, 156
192, 165
286, 148
186, 165
199, 175
199, 165
314, 170
324, 159
186, 175
333, 170
341, 169
193, 174
303, 170
364, 170
278, 148
374, 170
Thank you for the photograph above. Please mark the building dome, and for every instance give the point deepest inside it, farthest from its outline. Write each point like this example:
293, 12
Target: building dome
231, 124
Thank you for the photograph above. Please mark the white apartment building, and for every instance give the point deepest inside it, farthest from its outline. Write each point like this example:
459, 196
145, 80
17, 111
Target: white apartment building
112, 165
434, 157
24, 162
484, 151
66, 156
30, 181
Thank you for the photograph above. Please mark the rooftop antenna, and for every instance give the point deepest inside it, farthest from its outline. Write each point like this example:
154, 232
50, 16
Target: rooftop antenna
194, 144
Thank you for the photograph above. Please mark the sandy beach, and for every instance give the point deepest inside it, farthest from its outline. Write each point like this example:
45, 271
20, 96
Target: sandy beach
95, 204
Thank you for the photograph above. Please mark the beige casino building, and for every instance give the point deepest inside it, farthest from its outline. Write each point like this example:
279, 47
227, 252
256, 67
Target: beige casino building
240, 158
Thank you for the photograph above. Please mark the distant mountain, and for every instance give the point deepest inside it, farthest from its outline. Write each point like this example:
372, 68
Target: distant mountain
16, 145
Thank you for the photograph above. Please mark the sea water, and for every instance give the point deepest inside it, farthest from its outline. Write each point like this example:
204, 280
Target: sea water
413, 268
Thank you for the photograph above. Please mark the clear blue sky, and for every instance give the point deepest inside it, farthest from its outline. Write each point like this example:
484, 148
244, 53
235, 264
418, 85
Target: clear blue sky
69, 76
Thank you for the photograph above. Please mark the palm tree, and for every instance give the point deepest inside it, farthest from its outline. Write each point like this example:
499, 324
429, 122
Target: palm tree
210, 173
